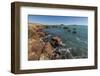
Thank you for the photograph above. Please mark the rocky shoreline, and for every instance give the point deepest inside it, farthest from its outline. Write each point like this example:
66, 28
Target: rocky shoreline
40, 47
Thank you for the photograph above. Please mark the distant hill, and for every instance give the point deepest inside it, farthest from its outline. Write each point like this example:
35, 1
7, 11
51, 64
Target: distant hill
35, 24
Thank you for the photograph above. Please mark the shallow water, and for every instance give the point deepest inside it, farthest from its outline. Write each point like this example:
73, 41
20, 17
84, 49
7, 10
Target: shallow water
78, 42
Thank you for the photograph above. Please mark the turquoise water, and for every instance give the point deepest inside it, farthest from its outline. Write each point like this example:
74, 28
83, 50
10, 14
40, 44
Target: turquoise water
77, 41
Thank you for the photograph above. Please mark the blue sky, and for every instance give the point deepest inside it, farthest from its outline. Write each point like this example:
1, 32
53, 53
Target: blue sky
66, 20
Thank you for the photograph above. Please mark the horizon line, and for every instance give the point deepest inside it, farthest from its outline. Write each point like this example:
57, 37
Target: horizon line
55, 24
